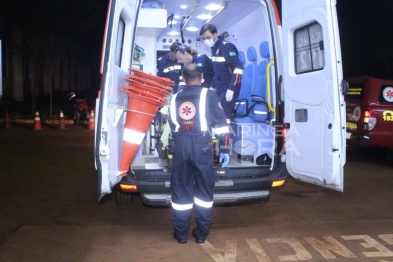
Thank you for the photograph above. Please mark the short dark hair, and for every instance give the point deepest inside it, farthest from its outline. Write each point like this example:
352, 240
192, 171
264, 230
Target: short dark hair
174, 46
212, 28
186, 49
191, 72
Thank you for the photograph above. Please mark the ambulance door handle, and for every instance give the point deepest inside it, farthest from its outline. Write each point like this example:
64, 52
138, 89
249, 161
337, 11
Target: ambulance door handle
301, 115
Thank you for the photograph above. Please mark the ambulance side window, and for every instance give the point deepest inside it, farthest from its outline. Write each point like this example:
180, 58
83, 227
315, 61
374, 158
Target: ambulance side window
309, 49
119, 42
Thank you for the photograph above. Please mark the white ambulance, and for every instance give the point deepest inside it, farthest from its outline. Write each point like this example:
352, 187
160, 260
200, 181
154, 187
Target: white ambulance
294, 66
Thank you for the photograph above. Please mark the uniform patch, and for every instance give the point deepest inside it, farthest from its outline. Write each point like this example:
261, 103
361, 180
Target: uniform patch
200, 65
232, 54
187, 110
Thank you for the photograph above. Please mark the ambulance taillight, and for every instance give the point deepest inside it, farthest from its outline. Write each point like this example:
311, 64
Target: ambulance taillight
370, 119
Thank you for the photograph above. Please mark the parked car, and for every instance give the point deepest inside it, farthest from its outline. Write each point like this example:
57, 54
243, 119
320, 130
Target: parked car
370, 112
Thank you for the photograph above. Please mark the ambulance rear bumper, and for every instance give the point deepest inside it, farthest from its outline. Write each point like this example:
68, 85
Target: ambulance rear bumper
157, 199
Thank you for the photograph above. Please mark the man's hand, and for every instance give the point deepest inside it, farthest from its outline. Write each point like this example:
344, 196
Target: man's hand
229, 95
224, 157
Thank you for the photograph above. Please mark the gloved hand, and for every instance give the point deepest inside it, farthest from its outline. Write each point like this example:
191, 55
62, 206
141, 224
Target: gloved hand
229, 95
224, 157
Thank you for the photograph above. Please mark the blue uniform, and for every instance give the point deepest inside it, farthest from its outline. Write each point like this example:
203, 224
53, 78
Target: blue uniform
193, 112
169, 69
206, 65
228, 71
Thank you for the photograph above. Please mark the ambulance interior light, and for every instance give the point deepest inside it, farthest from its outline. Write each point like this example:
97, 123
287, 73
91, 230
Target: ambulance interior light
218, 12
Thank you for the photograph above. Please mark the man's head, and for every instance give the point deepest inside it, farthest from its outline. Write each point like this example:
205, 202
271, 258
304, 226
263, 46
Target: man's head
184, 54
209, 34
172, 51
192, 75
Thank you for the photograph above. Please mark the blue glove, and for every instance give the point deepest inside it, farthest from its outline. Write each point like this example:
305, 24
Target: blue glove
224, 157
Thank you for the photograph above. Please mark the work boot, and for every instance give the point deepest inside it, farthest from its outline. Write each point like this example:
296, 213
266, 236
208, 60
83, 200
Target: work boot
197, 239
179, 240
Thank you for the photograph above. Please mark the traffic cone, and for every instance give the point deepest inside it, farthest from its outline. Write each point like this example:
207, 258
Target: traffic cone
7, 120
140, 113
91, 121
61, 121
37, 122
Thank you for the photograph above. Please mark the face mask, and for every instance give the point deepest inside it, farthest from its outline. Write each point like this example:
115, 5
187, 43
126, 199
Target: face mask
209, 43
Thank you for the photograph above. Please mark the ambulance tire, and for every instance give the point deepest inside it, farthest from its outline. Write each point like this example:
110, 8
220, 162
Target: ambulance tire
123, 198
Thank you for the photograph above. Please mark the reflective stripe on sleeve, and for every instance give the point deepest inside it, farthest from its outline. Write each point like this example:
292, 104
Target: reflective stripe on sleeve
132, 136
218, 59
202, 109
201, 203
221, 130
182, 207
166, 70
173, 112
238, 71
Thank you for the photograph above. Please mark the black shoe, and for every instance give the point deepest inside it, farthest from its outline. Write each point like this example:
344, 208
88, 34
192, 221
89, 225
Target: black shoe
198, 240
179, 240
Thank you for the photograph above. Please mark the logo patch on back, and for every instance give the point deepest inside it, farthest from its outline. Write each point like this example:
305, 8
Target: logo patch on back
187, 110
232, 54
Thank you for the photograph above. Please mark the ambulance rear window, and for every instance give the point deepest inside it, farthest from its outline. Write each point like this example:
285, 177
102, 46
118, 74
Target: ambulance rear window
309, 49
386, 94
355, 91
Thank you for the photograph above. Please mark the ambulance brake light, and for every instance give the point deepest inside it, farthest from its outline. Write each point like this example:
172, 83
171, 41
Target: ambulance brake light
278, 183
128, 187
370, 119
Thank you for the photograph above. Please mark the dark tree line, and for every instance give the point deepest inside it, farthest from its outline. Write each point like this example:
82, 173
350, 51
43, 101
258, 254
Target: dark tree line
51, 28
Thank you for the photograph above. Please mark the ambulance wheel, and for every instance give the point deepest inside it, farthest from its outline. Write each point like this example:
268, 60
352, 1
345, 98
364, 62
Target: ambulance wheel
123, 198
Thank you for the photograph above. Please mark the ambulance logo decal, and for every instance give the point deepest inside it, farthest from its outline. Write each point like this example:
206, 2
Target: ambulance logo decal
356, 113
187, 110
388, 93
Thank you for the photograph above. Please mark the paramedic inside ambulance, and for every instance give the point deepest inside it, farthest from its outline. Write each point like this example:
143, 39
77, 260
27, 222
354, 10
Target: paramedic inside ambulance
167, 66
228, 69
193, 112
185, 55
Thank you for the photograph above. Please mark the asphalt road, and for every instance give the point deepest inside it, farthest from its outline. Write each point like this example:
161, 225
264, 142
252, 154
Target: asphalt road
49, 212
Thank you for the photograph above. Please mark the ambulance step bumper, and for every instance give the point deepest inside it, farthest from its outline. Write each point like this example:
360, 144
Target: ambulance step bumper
164, 199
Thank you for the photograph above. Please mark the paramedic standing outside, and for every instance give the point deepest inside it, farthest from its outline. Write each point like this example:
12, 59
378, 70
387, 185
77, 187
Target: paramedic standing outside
194, 111
167, 66
228, 69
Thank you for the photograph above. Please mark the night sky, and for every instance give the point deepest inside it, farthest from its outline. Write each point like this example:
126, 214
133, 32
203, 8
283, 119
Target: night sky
366, 35
366, 28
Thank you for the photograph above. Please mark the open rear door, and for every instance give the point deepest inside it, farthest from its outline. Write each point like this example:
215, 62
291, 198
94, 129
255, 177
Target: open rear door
116, 59
314, 105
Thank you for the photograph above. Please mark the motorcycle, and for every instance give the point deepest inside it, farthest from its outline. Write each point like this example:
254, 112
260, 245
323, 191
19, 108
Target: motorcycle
81, 109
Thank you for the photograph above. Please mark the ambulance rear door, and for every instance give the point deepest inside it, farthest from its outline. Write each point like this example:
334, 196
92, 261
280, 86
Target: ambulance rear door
314, 106
116, 59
